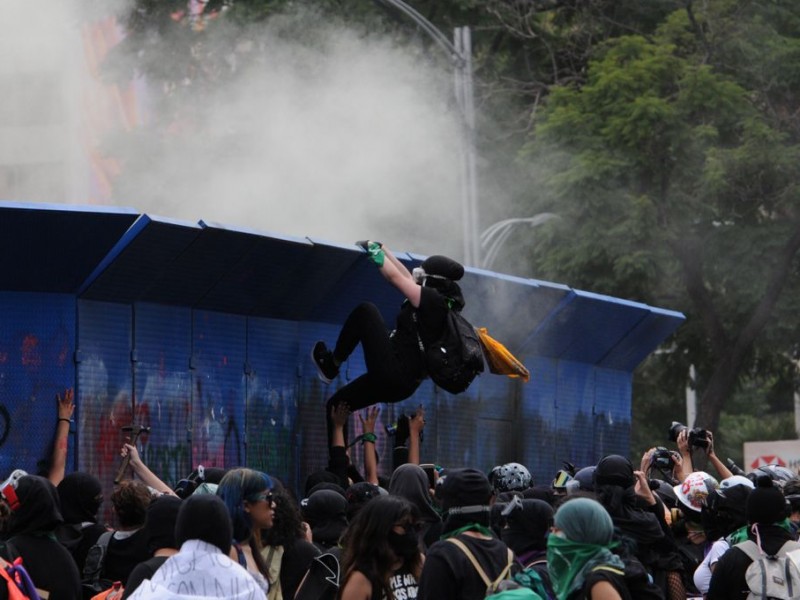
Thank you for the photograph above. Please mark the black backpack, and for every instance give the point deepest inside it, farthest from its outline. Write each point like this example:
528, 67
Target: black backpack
456, 358
92, 582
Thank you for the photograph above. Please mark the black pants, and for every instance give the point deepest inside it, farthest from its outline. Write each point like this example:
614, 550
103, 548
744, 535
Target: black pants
386, 379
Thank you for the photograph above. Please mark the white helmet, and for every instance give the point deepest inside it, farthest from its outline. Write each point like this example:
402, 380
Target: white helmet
694, 490
733, 480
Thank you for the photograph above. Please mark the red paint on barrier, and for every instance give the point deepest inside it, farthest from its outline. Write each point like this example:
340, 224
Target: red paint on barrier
30, 351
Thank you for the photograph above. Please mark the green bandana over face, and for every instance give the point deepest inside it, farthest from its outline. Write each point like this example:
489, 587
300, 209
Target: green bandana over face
569, 562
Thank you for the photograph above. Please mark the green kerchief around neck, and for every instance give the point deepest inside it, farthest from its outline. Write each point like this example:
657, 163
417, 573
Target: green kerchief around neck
469, 527
569, 562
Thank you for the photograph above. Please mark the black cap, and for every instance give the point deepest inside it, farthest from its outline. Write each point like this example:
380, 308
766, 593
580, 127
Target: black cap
464, 487
614, 470
443, 267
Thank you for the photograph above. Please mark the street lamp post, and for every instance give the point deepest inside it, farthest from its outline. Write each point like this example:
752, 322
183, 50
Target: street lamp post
494, 236
460, 54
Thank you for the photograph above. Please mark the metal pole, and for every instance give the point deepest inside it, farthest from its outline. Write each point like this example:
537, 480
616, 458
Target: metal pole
466, 224
469, 148
460, 52
495, 236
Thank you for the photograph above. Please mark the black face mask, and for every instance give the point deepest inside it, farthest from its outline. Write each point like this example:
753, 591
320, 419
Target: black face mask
404, 545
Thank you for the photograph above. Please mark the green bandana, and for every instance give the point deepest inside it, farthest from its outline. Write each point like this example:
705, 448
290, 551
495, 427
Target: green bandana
738, 536
568, 562
786, 524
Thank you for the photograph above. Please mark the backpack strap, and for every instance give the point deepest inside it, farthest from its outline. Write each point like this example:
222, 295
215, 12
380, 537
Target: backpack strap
416, 330
751, 549
788, 546
794, 556
504, 573
240, 554
489, 583
535, 563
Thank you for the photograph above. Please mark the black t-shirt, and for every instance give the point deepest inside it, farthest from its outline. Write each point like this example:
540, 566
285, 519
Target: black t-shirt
631, 582
431, 315
449, 575
48, 563
613, 577
404, 585
123, 555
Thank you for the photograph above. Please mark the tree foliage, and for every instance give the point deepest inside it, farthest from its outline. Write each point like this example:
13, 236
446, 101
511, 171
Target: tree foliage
675, 169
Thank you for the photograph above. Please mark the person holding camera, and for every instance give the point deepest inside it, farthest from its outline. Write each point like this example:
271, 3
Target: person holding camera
640, 516
669, 463
689, 440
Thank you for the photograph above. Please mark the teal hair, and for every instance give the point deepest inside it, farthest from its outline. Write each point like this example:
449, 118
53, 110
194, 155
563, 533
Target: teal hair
236, 487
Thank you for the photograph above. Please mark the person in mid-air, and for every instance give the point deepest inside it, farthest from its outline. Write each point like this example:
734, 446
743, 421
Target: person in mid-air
394, 360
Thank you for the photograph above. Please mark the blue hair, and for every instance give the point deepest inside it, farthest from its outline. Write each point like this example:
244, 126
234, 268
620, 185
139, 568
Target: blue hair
236, 487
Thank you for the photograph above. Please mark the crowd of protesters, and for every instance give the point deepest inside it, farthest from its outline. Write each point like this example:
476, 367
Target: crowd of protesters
661, 529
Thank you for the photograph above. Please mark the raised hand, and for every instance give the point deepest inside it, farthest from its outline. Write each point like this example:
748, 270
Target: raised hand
66, 404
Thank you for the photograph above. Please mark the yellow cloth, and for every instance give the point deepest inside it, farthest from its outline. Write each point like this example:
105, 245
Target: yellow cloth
499, 359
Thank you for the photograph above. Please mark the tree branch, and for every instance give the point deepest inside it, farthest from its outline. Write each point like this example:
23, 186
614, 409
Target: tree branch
690, 258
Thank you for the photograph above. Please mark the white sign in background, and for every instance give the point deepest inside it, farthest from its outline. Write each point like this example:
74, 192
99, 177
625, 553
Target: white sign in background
784, 452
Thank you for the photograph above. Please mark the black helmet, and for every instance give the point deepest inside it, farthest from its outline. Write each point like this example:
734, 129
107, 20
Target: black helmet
511, 477
777, 473
585, 479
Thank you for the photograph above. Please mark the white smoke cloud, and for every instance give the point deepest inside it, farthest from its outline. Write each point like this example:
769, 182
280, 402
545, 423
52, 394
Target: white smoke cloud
344, 138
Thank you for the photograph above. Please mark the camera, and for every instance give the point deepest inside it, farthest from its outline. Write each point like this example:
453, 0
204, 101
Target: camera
661, 459
186, 487
698, 437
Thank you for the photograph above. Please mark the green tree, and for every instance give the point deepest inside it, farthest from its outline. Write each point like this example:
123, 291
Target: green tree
675, 168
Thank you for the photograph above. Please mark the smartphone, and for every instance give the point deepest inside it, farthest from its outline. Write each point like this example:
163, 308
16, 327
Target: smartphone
432, 473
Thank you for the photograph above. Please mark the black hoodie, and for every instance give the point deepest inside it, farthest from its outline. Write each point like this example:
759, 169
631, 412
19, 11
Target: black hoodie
29, 534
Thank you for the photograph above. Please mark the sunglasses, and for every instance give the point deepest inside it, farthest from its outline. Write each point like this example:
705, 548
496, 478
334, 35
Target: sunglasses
268, 497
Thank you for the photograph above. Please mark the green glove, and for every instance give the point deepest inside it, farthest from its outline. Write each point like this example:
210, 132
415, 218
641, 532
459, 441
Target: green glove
375, 253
